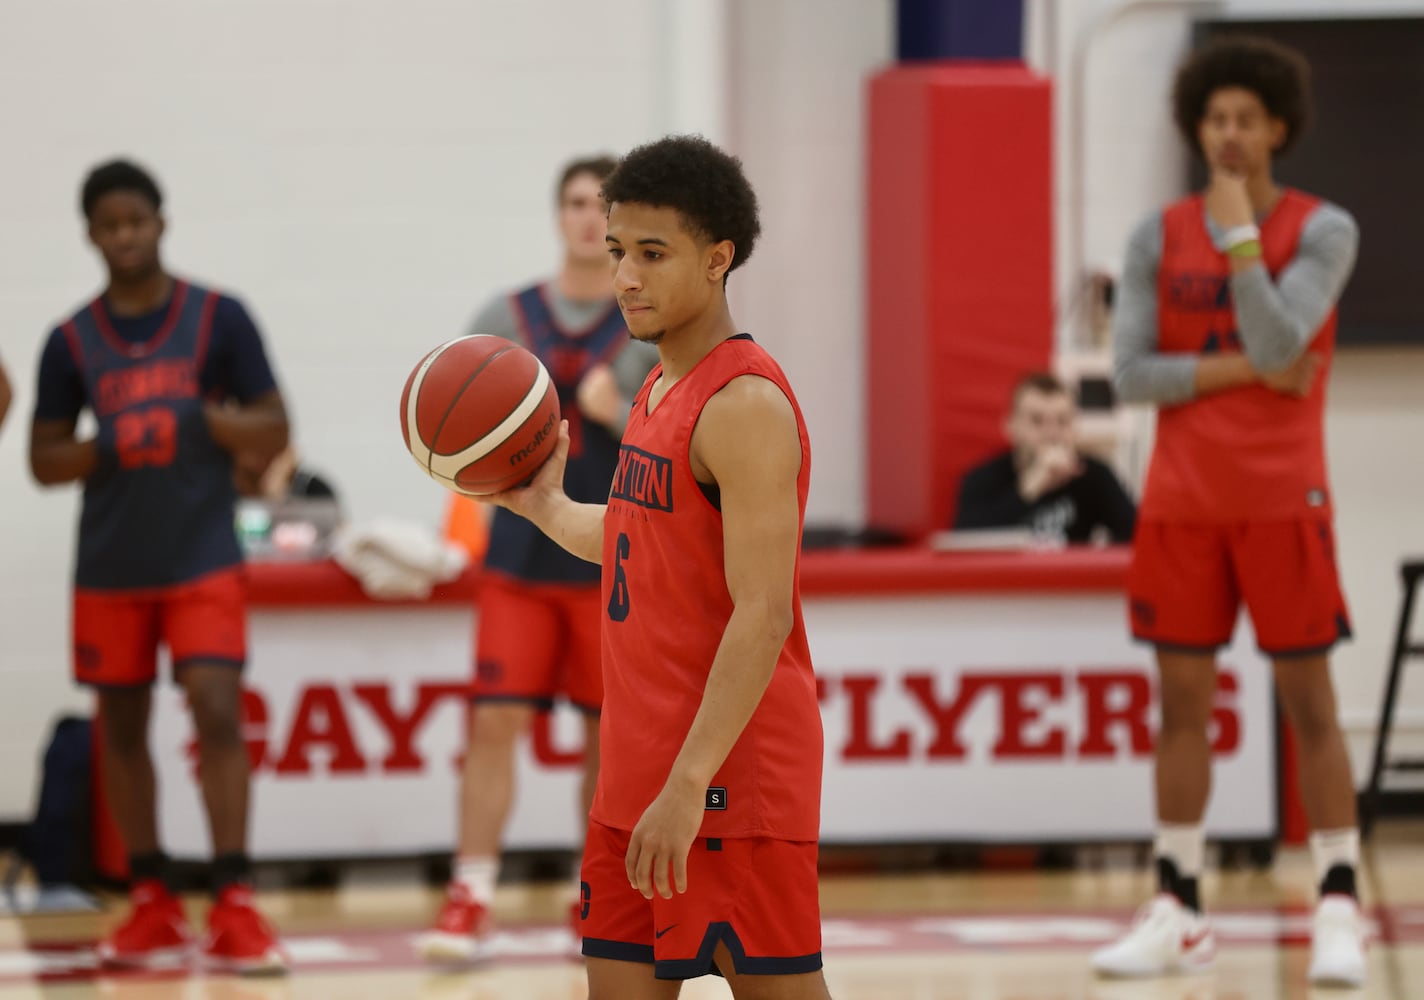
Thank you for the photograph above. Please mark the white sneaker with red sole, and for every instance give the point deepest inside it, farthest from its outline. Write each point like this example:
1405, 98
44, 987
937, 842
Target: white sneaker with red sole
1165, 938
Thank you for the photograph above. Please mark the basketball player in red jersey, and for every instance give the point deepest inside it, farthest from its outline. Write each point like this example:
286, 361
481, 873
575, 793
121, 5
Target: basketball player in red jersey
1226, 321
701, 848
181, 391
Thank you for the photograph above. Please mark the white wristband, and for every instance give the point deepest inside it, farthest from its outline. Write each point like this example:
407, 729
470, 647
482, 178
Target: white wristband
1237, 235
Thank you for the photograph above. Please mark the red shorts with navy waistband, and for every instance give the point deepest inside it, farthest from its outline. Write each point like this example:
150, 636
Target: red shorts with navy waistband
536, 642
758, 896
117, 632
1188, 582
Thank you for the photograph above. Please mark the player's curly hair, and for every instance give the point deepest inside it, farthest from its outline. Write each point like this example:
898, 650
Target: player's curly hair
1278, 75
118, 175
705, 185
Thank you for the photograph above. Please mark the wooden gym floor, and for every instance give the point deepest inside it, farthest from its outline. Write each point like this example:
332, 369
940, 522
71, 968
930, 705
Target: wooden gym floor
917, 936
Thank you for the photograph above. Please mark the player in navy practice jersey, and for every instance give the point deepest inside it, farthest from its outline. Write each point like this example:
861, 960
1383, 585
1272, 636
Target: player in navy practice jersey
182, 394
539, 608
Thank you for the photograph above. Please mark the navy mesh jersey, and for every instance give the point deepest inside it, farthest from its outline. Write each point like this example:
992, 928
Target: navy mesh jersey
517, 548
158, 509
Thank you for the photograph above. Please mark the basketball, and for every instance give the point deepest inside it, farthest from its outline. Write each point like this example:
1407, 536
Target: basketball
479, 414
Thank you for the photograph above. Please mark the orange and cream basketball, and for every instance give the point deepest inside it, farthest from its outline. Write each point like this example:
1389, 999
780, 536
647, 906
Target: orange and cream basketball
479, 414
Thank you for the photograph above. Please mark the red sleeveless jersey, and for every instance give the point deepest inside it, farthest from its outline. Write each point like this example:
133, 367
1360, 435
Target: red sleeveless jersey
1247, 454
666, 606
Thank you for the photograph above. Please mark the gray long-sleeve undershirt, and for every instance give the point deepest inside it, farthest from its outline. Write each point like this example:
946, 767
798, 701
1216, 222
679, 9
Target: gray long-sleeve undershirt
1276, 320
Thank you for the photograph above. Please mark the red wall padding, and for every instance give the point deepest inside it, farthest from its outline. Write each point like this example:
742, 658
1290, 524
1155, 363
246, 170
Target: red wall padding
960, 294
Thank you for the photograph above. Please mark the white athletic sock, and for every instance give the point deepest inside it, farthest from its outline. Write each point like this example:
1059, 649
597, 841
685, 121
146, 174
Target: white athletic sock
478, 877
1329, 848
1184, 846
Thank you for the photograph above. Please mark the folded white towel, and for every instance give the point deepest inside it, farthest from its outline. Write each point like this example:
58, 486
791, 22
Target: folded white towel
397, 560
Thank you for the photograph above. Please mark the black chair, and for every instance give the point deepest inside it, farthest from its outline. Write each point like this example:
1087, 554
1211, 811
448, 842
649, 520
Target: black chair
1378, 800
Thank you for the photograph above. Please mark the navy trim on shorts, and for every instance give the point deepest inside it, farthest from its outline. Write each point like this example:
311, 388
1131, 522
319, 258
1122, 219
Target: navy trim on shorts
544, 703
1342, 632
714, 843
1181, 647
617, 951
110, 686
541, 702
208, 661
704, 964
1299, 654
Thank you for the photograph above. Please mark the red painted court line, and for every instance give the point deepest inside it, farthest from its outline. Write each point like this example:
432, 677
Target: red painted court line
867, 934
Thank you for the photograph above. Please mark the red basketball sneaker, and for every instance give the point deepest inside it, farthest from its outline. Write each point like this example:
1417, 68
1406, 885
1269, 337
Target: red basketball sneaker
462, 931
155, 930
239, 939
575, 941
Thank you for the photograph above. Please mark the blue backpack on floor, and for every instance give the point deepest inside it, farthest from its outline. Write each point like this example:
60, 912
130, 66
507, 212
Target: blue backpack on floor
59, 842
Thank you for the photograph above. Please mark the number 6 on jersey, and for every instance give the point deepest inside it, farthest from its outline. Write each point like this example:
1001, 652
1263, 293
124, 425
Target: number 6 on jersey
618, 601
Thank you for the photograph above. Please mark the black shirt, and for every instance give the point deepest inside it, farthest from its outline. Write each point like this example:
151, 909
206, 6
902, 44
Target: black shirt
989, 498
308, 485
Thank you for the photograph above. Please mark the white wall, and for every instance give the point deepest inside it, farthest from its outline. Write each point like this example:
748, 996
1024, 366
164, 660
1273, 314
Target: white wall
1133, 162
796, 115
362, 172
1373, 426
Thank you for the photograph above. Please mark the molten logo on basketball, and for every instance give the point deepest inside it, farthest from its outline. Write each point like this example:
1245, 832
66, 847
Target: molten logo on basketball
533, 445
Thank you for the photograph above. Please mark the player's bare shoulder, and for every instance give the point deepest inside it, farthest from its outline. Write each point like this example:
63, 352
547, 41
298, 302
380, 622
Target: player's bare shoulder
750, 415
751, 403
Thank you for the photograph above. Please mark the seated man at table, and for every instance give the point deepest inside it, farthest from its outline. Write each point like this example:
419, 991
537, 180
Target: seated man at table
1043, 482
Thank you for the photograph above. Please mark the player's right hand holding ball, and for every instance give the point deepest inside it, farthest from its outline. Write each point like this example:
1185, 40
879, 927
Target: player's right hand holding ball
544, 489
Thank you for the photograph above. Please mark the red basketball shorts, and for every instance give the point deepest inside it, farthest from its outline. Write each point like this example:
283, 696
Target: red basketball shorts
538, 641
758, 896
117, 632
1188, 582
